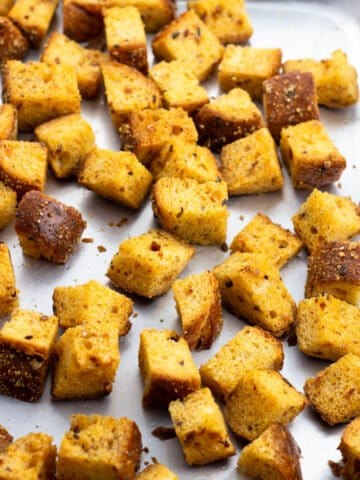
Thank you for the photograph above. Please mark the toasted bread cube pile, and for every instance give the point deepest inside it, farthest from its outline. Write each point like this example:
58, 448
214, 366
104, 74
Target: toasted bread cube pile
261, 398
149, 264
157, 471
13, 45
200, 428
327, 328
47, 228
198, 304
30, 457
51, 91
193, 211
166, 366
251, 288
148, 131
248, 68
6, 6
125, 37
68, 140
350, 451
118, 176
334, 393
325, 217
251, 165
8, 122
190, 41
26, 345
334, 268
7, 205
264, 236
335, 79
99, 447
15, 170
273, 455
289, 99
82, 19
227, 118
8, 292
252, 348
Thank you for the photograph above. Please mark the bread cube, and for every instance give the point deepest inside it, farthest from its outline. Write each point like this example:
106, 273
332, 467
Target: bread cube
334, 393
118, 176
149, 264
86, 361
325, 217
228, 21
190, 41
5, 6
8, 122
335, 79
227, 118
82, 19
12, 42
179, 86
327, 328
92, 304
251, 165
289, 99
166, 366
261, 398
349, 447
5, 438
262, 235
125, 37
8, 292
51, 91
157, 471
193, 211
198, 304
334, 268
30, 457
148, 131
252, 348
68, 139
47, 228
251, 288
200, 428
99, 447
7, 205
248, 68
273, 455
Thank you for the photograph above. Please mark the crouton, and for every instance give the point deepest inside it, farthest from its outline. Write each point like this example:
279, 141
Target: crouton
82, 19
118, 176
29, 457
335, 79
251, 165
325, 217
92, 304
327, 328
228, 21
13, 45
289, 99
148, 131
5, 438
227, 118
198, 304
68, 139
8, 122
190, 41
166, 366
349, 448
149, 264
200, 428
7, 205
157, 471
8, 292
193, 211
251, 288
179, 86
5, 6
334, 393
33, 18
262, 235
261, 398
51, 91
85, 365
252, 348
26, 345
99, 447
248, 68
273, 455
125, 37
334, 268
47, 228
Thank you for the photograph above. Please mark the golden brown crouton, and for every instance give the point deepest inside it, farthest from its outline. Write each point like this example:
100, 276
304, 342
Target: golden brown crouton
157, 471
12, 42
5, 6
7, 205
8, 292
8, 122
82, 19
200, 428
349, 447
5, 438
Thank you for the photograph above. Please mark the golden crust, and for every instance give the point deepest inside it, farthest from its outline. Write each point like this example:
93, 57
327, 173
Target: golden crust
12, 42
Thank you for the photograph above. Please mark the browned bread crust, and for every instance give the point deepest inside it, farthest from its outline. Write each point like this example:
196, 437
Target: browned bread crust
5, 438
12, 42
79, 23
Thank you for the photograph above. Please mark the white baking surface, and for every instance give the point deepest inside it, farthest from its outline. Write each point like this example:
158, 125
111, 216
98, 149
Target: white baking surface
301, 29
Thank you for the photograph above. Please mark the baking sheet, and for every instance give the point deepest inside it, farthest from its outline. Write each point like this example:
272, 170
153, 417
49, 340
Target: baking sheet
301, 29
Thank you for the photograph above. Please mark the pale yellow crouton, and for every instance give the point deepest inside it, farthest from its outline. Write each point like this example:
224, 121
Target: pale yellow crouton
7, 205
157, 471
13, 44
350, 450
8, 122
5, 6
82, 19
8, 292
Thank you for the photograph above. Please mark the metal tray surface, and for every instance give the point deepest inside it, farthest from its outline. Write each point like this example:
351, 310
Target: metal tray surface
301, 29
